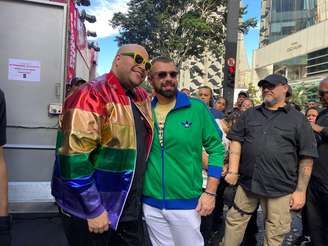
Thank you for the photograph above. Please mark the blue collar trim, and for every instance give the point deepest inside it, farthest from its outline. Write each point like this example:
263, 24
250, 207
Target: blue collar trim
182, 101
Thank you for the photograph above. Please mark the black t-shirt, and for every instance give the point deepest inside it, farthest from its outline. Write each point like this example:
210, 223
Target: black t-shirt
3, 121
132, 208
272, 144
320, 168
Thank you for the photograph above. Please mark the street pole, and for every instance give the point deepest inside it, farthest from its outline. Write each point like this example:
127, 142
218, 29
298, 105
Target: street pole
231, 50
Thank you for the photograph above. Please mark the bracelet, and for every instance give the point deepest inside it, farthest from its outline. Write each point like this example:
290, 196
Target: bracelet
233, 173
210, 193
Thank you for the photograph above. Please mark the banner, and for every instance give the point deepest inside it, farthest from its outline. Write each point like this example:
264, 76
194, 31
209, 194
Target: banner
82, 41
73, 15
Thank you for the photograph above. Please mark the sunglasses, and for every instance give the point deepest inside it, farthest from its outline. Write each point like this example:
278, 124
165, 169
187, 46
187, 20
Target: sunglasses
322, 93
138, 59
269, 86
163, 74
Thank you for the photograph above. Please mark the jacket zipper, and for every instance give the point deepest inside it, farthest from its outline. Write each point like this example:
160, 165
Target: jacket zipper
134, 168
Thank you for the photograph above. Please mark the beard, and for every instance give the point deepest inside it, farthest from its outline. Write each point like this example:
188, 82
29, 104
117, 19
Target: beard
269, 102
166, 93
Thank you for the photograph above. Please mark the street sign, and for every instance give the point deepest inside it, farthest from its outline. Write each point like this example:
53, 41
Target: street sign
231, 62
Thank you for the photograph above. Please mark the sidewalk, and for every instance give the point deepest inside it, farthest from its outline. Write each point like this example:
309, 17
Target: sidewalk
46, 230
37, 230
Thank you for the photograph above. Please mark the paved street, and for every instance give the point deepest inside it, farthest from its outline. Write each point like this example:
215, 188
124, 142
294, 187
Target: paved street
46, 229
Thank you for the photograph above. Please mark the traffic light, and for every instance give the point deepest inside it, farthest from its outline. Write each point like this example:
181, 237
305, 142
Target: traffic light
231, 76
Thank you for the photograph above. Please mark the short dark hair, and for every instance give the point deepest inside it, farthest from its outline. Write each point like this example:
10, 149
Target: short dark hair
163, 59
312, 108
77, 81
243, 93
211, 91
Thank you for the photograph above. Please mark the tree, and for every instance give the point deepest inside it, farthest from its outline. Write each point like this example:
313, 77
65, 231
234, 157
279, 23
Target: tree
253, 93
247, 24
179, 29
302, 94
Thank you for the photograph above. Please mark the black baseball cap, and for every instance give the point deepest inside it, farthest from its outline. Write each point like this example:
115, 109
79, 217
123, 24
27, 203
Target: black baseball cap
273, 79
243, 93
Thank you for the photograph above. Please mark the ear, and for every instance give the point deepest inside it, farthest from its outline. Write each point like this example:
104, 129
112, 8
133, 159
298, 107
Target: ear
117, 59
286, 88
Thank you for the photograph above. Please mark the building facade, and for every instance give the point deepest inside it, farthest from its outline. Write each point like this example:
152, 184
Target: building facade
294, 41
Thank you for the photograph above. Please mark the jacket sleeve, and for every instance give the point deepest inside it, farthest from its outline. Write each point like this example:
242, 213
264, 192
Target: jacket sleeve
79, 136
211, 139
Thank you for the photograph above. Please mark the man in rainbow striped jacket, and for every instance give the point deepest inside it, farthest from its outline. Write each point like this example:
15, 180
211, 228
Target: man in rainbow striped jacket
101, 154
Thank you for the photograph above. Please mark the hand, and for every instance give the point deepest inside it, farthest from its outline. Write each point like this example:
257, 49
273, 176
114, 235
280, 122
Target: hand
297, 200
99, 224
205, 204
316, 127
224, 170
231, 178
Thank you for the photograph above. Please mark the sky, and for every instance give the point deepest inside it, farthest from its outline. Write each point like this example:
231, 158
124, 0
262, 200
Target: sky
104, 10
253, 36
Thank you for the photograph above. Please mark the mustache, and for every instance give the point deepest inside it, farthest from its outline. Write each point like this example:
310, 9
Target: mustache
168, 83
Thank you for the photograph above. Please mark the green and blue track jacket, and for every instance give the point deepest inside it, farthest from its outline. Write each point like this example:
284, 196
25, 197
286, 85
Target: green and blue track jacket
173, 178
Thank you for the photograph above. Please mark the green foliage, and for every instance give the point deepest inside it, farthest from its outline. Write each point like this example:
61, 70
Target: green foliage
303, 94
179, 29
147, 86
253, 92
247, 24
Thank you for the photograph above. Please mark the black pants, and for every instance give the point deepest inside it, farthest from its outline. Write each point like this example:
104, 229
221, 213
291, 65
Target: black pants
215, 221
317, 213
251, 230
127, 234
5, 237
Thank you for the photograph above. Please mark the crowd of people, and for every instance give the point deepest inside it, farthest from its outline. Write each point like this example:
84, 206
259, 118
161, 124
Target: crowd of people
133, 169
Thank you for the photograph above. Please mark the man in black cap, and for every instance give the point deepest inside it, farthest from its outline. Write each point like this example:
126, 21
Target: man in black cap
271, 152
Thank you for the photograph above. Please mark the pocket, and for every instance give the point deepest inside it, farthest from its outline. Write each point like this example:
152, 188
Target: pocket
285, 137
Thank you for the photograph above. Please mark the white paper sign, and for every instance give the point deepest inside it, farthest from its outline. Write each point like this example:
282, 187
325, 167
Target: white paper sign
25, 70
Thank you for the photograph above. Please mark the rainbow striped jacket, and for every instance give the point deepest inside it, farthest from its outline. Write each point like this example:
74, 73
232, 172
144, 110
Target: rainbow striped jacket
96, 149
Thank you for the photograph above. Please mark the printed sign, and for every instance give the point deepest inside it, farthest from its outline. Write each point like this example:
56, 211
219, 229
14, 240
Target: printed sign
25, 70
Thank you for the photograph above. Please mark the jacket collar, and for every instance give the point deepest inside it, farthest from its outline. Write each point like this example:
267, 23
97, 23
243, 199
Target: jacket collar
182, 101
114, 83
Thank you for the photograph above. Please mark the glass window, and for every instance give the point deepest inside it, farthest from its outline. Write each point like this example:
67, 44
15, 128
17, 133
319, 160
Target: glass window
290, 16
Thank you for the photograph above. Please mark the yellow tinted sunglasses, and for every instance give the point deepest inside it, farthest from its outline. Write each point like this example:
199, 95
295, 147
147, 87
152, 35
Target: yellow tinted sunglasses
138, 59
